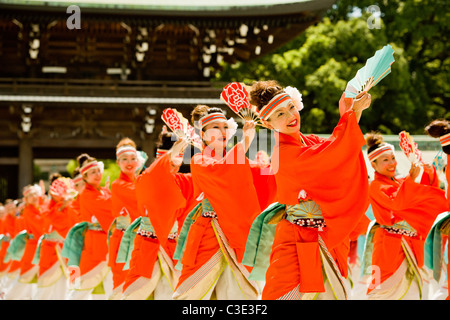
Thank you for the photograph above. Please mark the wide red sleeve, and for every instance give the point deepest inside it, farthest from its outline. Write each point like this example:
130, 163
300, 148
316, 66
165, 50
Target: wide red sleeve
332, 172
265, 184
97, 204
123, 196
415, 203
228, 185
159, 195
34, 222
184, 182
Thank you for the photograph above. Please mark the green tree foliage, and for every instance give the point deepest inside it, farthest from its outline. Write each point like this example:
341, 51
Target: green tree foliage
327, 55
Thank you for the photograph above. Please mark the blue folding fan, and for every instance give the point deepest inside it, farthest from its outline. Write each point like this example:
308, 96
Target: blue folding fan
376, 68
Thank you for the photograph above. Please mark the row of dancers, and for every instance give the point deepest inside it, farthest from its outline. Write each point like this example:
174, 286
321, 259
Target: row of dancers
228, 229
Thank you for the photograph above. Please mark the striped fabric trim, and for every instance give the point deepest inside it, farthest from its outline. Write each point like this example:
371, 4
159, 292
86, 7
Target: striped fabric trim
199, 274
279, 100
77, 179
89, 167
378, 152
232, 253
445, 140
294, 294
216, 116
125, 149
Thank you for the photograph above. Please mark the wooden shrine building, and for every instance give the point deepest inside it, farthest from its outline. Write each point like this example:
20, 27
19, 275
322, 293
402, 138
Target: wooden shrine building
79, 79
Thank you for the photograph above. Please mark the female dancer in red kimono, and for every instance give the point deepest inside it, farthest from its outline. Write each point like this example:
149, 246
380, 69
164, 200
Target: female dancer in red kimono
32, 229
7, 233
437, 239
59, 217
217, 230
164, 197
86, 243
404, 211
124, 208
322, 185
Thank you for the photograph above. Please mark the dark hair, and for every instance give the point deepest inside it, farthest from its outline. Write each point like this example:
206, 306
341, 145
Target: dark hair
373, 141
76, 172
202, 110
53, 177
166, 140
438, 128
83, 158
262, 92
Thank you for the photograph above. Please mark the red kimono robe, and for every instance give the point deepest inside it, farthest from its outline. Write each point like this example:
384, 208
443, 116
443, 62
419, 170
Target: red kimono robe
34, 224
229, 186
124, 202
166, 198
95, 205
8, 224
60, 219
19, 225
333, 173
394, 200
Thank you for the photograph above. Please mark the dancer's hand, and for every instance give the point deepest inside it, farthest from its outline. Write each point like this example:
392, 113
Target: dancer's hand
249, 133
178, 147
362, 101
414, 171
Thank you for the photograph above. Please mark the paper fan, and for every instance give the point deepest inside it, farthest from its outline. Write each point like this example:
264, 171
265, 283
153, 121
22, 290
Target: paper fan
376, 68
63, 187
181, 127
235, 95
409, 147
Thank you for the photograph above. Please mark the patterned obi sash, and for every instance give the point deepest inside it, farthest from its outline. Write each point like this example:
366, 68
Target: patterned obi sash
94, 226
207, 209
53, 237
122, 222
402, 228
305, 214
146, 230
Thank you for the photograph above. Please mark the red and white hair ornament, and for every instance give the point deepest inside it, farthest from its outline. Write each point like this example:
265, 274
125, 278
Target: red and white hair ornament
125, 150
382, 149
445, 140
280, 100
91, 165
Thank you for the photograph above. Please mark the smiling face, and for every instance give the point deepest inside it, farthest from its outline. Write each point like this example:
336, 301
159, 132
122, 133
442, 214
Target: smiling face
215, 135
285, 119
93, 176
386, 164
128, 163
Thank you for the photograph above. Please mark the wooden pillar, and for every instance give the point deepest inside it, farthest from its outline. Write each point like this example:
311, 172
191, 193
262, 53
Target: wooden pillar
25, 162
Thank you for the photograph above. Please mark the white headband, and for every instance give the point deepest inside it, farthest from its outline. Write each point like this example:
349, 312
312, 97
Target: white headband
382, 149
125, 149
212, 117
92, 165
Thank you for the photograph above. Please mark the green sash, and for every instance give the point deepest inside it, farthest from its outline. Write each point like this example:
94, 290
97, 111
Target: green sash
73, 244
16, 247
259, 242
181, 243
433, 246
127, 244
48, 236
